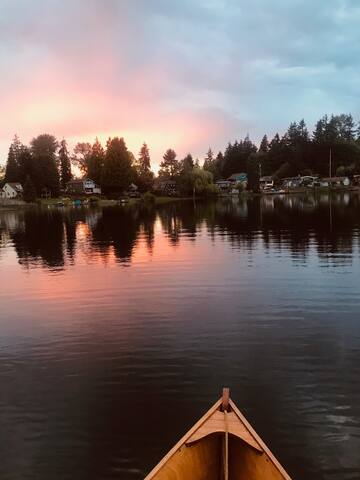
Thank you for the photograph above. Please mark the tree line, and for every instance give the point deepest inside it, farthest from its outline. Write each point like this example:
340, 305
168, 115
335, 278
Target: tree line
297, 152
45, 165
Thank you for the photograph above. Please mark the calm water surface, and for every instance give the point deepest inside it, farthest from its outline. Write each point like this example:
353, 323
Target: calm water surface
119, 326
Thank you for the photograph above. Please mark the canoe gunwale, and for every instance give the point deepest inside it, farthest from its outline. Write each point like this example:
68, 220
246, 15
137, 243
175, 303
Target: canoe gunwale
266, 450
183, 440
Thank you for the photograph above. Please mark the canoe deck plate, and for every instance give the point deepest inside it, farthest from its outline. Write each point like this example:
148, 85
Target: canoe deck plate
216, 424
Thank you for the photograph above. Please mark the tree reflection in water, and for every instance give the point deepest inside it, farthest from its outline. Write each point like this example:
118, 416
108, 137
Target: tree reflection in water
50, 238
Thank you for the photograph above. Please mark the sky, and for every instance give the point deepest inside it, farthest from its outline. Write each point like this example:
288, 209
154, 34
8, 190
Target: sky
182, 74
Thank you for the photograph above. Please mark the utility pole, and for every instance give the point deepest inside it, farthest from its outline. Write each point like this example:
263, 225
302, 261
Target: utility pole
330, 169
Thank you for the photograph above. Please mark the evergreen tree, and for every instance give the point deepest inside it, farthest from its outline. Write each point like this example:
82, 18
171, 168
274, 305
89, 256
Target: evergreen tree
65, 165
169, 167
357, 133
213, 165
145, 177
209, 160
26, 164
143, 162
276, 155
285, 170
295, 144
46, 175
12, 167
264, 145
236, 155
337, 133
29, 191
253, 173
219, 165
118, 171
12, 170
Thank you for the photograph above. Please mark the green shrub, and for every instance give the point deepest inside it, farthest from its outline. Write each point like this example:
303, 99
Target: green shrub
149, 198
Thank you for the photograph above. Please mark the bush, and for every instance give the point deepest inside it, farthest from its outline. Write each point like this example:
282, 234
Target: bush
211, 190
149, 198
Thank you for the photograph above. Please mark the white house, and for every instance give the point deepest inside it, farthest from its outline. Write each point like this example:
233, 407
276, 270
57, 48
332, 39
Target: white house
83, 186
238, 178
12, 190
335, 182
266, 183
223, 185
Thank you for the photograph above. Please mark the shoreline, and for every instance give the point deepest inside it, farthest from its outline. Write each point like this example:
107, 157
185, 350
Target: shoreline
62, 202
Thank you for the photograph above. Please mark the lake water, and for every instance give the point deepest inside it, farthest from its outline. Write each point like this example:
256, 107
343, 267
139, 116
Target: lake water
119, 327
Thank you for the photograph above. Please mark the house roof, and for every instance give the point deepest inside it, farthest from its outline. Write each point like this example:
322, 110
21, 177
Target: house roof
238, 176
334, 179
16, 186
80, 180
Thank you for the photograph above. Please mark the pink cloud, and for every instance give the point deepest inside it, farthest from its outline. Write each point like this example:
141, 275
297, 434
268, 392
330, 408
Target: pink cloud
97, 72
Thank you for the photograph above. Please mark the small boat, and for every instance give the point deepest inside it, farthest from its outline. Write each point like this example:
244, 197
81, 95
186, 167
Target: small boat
222, 445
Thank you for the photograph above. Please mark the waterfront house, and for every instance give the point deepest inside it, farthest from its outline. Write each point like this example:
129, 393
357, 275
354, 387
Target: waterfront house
335, 182
238, 178
266, 183
84, 186
223, 185
12, 190
291, 182
356, 180
133, 190
166, 186
309, 180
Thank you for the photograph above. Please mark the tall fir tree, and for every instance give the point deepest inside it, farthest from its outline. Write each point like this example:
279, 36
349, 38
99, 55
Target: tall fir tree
65, 164
253, 173
209, 160
212, 164
145, 177
26, 164
236, 155
219, 162
264, 145
12, 169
